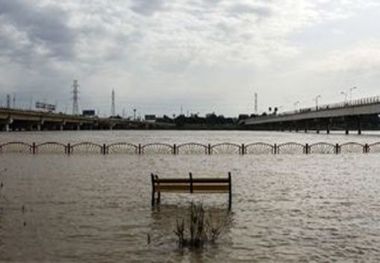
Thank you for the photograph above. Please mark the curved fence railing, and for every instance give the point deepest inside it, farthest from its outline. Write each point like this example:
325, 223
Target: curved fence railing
226, 148
18, 147
122, 147
259, 148
86, 147
157, 148
291, 148
51, 147
352, 147
194, 148
323, 148
374, 147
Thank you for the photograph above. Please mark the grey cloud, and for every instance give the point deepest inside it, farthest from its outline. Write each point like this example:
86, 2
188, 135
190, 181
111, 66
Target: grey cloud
260, 11
147, 7
44, 26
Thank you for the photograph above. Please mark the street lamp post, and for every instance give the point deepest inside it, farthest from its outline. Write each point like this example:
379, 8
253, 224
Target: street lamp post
351, 89
296, 105
345, 96
316, 101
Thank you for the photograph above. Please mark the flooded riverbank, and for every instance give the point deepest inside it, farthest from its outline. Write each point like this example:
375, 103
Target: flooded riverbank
96, 208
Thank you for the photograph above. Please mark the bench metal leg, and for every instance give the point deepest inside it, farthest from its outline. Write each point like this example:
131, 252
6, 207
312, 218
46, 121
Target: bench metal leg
153, 189
152, 198
230, 191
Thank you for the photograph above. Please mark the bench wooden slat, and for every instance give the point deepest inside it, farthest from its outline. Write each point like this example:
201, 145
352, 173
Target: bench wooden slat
187, 180
191, 185
196, 188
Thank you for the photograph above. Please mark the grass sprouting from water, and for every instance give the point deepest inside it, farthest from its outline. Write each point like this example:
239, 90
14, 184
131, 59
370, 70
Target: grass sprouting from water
200, 230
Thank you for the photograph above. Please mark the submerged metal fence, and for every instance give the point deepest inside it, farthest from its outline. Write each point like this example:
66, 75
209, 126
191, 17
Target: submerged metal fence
189, 148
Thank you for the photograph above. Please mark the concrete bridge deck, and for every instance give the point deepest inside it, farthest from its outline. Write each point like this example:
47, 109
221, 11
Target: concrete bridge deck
18, 119
348, 115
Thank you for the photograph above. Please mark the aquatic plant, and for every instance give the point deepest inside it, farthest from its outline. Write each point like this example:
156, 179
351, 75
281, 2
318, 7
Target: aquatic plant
201, 229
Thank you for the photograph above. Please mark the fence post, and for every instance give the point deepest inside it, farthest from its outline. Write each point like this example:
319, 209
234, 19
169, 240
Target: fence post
34, 148
191, 182
366, 148
68, 149
174, 149
275, 149
230, 191
307, 148
242, 149
337, 148
104, 149
209, 149
140, 149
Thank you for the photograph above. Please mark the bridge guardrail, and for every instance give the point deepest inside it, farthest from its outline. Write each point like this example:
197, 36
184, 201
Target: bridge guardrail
255, 148
332, 106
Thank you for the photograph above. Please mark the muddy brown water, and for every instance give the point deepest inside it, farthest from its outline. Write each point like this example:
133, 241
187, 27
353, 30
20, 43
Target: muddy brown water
95, 208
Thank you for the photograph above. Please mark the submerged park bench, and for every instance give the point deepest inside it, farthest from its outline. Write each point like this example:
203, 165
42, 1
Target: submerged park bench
191, 185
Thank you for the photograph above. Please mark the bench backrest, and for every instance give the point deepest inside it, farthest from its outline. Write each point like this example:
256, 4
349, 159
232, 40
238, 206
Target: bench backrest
192, 185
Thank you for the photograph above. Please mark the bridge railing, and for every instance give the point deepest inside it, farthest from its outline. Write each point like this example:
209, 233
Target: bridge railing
332, 106
191, 148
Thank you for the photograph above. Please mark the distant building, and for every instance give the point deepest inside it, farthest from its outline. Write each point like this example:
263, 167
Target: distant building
243, 116
88, 113
150, 118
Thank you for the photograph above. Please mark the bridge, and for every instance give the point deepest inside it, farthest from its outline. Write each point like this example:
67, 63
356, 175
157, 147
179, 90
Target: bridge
28, 120
352, 115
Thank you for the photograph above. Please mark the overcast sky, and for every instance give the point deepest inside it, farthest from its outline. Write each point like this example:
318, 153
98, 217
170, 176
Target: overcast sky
206, 55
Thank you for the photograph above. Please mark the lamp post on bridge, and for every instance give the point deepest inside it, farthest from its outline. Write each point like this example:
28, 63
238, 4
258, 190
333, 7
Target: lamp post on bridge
316, 101
345, 96
296, 105
351, 89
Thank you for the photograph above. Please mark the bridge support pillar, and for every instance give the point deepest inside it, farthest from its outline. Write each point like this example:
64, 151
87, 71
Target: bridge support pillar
8, 124
78, 127
359, 127
39, 127
347, 132
61, 127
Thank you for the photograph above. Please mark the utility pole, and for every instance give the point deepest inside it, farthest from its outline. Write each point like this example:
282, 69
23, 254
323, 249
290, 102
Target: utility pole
316, 101
31, 103
134, 114
75, 98
8, 101
113, 103
14, 101
256, 103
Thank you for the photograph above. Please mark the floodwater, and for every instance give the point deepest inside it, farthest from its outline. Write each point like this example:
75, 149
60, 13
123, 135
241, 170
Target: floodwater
96, 208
